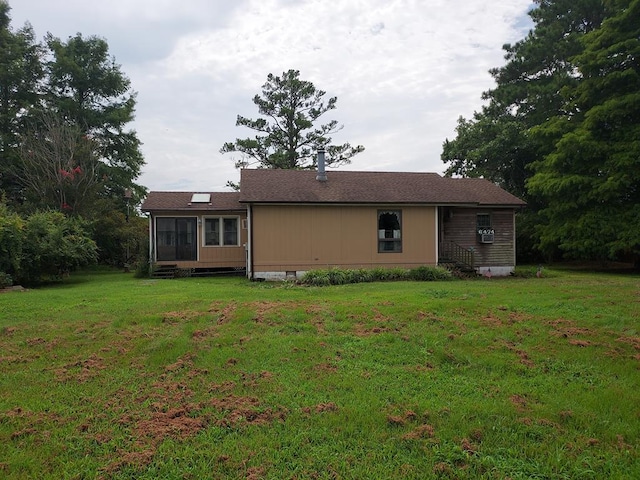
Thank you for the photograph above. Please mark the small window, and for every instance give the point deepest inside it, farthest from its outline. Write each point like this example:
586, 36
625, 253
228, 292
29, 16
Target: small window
389, 231
483, 220
221, 231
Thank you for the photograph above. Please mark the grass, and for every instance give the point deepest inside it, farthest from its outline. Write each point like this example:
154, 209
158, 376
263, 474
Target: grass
107, 376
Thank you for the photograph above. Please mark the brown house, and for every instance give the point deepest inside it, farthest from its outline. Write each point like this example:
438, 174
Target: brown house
285, 222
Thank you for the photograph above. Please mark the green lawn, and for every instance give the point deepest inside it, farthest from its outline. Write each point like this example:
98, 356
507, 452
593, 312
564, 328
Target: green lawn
107, 376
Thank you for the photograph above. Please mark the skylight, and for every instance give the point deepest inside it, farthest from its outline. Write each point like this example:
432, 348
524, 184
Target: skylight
201, 198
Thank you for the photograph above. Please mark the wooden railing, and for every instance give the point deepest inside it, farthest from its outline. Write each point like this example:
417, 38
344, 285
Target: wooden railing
451, 251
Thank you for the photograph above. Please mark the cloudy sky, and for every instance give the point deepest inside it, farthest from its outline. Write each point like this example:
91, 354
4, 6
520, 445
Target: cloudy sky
403, 71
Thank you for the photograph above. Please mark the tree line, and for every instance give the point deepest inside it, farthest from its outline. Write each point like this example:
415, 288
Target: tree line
68, 161
561, 129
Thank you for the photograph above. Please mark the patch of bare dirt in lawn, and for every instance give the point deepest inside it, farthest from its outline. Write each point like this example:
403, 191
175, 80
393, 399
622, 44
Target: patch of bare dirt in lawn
34, 425
172, 412
522, 354
237, 410
562, 328
320, 408
264, 309
173, 318
361, 330
81, 371
224, 310
520, 402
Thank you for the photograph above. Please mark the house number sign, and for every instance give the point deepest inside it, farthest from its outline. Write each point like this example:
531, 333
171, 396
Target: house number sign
486, 231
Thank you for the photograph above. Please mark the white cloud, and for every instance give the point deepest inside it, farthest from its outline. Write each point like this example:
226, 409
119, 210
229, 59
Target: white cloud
403, 71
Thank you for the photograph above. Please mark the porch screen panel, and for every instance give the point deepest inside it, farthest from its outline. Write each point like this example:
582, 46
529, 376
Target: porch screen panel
176, 239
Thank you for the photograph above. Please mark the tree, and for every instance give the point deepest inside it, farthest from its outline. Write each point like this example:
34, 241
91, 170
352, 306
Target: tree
497, 143
60, 166
86, 86
591, 178
288, 136
500, 142
20, 74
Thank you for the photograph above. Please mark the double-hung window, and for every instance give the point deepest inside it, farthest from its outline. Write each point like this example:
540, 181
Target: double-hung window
389, 231
221, 231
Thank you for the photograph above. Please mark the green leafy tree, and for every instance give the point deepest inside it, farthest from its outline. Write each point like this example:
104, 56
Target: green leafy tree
86, 86
591, 178
21, 72
288, 134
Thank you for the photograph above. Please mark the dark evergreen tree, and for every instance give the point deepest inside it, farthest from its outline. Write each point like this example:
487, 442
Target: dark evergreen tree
289, 134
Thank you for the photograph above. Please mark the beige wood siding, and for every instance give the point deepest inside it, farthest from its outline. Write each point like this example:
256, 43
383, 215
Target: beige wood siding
300, 238
460, 227
212, 256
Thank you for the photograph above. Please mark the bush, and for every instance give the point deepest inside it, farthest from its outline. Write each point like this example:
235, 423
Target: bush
429, 274
5, 280
53, 245
336, 276
11, 226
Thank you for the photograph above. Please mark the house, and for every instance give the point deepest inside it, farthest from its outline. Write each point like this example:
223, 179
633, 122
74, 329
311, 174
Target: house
283, 223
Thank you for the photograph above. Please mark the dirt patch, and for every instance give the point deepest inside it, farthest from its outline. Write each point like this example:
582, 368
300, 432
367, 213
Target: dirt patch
320, 408
422, 431
224, 310
245, 411
633, 341
253, 379
326, 368
580, 343
522, 354
8, 331
519, 402
360, 330
173, 318
80, 371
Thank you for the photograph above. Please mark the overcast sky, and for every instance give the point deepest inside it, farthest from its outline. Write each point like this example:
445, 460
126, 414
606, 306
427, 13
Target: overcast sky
403, 71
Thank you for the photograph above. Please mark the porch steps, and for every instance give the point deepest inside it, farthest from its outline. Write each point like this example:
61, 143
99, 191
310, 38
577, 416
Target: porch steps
458, 268
165, 271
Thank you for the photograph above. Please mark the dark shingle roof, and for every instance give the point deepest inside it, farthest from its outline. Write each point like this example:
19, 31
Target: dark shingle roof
182, 201
301, 186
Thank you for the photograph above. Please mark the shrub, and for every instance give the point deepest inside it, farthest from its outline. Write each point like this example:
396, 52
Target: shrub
54, 245
429, 274
11, 226
336, 276
5, 280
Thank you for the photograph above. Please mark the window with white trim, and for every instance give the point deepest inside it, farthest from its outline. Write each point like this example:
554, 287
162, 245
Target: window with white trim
389, 231
221, 231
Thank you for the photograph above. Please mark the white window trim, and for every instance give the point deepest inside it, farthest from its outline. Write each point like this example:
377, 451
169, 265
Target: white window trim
221, 239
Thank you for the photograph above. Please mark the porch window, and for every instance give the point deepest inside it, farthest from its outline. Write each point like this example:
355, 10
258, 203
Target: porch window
176, 238
389, 231
221, 231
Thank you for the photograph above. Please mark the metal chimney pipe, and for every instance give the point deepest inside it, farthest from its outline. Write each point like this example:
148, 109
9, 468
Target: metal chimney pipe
322, 174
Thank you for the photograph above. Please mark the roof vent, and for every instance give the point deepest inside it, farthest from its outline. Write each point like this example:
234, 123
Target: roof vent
322, 174
201, 198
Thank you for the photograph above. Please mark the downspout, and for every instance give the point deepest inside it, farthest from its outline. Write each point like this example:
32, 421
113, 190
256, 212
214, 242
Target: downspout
250, 249
437, 230
151, 242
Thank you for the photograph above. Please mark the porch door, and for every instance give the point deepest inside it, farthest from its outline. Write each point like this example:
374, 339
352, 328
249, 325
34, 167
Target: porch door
177, 239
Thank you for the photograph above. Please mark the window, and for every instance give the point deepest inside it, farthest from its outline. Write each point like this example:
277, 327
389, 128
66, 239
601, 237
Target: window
389, 231
483, 220
176, 238
221, 231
